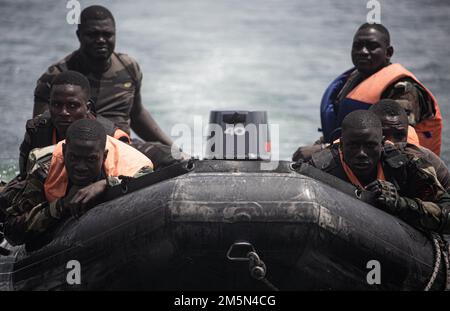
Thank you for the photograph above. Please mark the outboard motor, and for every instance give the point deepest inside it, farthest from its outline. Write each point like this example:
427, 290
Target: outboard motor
238, 135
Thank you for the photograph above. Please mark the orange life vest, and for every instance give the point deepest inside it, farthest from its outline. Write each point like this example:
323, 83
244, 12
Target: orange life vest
122, 159
352, 177
370, 90
121, 135
412, 138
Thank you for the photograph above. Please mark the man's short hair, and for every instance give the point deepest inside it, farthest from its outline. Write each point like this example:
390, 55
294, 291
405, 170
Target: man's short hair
389, 107
95, 12
73, 78
361, 119
378, 27
87, 129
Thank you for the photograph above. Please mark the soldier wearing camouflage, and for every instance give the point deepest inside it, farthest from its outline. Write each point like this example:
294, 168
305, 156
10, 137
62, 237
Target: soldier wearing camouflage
404, 185
32, 215
113, 93
115, 78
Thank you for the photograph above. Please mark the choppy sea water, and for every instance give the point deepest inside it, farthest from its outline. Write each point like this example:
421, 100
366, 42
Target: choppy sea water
202, 55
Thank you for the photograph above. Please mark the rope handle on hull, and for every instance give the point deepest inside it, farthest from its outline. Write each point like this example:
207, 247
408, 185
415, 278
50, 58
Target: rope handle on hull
257, 267
441, 251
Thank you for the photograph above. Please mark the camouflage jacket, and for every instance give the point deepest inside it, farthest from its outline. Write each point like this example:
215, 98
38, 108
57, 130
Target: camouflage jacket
414, 178
114, 92
439, 166
40, 133
30, 216
407, 92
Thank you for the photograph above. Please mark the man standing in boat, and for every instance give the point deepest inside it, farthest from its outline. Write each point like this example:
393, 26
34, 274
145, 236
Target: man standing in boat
404, 185
115, 80
373, 78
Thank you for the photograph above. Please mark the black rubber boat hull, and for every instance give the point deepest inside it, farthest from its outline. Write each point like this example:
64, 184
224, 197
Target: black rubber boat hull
175, 235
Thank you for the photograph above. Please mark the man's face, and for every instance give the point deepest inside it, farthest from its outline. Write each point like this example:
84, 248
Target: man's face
83, 160
361, 150
97, 38
395, 129
412, 109
68, 103
370, 51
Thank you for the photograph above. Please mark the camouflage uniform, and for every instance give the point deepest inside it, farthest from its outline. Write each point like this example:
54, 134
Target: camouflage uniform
39, 133
114, 92
413, 98
25, 201
414, 178
410, 95
407, 92
439, 166
31, 218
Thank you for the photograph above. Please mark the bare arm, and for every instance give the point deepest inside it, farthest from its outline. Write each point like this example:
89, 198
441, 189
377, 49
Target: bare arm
145, 126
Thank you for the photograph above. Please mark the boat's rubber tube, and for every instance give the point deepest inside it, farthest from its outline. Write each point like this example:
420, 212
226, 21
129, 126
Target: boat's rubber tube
175, 235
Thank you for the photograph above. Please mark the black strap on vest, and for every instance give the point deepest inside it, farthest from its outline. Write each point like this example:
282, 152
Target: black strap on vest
328, 160
41, 132
393, 156
395, 165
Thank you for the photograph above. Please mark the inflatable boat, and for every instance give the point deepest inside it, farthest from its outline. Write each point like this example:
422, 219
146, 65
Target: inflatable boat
196, 231
228, 225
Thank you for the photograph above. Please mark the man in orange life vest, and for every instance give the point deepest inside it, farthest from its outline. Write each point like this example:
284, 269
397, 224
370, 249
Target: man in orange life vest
390, 113
404, 185
81, 169
396, 130
69, 101
374, 78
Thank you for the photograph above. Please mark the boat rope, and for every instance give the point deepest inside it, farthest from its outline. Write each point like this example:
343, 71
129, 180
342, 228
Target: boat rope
256, 266
441, 251
3, 251
258, 270
446, 253
437, 262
